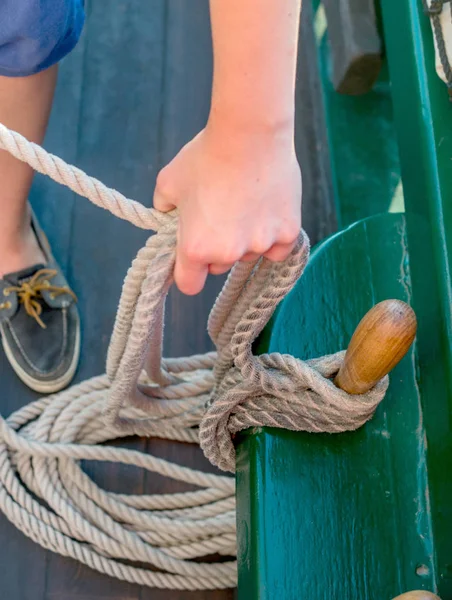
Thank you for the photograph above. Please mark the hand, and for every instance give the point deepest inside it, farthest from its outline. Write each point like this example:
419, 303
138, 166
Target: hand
238, 196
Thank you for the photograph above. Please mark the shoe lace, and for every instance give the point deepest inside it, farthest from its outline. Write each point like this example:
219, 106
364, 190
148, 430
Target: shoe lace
29, 292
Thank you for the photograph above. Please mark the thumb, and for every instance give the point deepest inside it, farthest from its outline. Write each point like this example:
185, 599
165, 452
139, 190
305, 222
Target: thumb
165, 195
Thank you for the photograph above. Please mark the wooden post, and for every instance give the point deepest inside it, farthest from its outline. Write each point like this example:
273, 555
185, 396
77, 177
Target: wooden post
355, 45
379, 343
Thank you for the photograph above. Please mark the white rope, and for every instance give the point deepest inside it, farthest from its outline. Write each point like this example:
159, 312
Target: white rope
42, 444
44, 491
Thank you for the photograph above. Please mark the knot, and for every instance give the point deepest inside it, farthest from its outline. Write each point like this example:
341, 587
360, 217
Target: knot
287, 393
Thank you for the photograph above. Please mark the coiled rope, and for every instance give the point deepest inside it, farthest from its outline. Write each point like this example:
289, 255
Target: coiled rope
202, 399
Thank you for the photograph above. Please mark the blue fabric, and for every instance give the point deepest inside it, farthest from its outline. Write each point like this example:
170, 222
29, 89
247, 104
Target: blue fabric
35, 34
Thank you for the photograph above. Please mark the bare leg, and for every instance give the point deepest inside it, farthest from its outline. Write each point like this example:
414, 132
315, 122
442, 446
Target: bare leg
25, 104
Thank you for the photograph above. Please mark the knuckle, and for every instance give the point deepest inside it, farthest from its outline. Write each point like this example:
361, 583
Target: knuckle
278, 254
194, 253
288, 234
230, 256
211, 251
260, 246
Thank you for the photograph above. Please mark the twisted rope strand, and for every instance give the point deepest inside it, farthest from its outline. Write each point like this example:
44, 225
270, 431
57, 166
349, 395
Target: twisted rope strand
203, 399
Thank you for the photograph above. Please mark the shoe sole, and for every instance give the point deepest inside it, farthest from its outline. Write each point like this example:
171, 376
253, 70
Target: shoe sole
44, 387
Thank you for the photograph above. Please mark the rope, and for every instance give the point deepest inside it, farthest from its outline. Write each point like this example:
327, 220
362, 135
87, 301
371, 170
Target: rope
434, 9
202, 399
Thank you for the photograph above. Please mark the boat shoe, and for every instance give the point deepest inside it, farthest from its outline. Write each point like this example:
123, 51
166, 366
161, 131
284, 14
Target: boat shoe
39, 323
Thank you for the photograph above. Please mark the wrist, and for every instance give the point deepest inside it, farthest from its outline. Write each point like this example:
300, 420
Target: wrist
229, 125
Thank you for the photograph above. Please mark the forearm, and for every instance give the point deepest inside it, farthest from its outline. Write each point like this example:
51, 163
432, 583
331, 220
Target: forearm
255, 54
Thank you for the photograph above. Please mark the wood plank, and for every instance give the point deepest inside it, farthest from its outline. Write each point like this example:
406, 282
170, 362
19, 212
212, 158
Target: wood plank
424, 128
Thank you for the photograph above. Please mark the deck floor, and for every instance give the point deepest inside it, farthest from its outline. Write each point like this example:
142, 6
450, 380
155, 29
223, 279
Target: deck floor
132, 93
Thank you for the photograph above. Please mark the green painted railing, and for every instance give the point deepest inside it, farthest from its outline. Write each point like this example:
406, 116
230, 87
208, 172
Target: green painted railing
367, 515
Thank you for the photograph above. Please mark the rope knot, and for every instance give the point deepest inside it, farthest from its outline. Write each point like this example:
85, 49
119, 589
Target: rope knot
286, 393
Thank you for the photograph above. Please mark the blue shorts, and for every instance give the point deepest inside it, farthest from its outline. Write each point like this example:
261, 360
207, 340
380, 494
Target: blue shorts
36, 34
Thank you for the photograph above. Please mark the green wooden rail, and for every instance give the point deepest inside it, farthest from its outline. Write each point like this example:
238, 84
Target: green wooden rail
367, 515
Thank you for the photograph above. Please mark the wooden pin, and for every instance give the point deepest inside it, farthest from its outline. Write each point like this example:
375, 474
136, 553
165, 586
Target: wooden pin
419, 595
380, 341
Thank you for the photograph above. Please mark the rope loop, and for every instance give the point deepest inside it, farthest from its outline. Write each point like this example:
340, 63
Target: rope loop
298, 395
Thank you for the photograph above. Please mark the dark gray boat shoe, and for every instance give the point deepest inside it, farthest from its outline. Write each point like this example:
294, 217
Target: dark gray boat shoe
39, 323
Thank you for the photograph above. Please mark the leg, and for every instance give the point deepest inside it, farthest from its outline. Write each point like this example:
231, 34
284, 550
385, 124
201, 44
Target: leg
25, 104
39, 323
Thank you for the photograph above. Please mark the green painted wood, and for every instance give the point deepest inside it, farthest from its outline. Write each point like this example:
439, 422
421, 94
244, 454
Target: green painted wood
362, 143
423, 118
339, 516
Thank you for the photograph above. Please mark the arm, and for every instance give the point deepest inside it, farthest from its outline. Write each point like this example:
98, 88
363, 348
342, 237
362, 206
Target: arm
255, 53
237, 184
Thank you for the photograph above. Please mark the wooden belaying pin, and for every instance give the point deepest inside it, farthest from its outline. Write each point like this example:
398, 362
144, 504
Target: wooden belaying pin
418, 595
380, 341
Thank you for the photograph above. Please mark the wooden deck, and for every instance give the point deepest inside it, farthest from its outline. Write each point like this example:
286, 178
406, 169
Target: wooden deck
133, 92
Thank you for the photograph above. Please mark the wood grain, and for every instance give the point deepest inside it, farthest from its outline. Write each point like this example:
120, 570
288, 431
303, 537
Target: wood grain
379, 343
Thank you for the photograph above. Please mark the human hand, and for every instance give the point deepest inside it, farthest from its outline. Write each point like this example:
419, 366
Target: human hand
238, 196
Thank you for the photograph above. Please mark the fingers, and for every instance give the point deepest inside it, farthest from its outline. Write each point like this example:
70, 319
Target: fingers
250, 257
219, 269
192, 268
189, 275
276, 253
279, 252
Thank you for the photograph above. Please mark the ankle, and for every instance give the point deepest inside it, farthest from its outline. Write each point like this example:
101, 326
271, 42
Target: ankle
19, 250
15, 229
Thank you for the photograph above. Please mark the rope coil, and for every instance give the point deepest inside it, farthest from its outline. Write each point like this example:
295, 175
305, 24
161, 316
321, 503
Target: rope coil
203, 398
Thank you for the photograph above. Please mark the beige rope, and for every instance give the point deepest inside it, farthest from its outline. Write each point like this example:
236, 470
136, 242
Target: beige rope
43, 489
